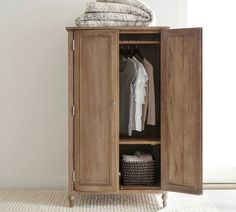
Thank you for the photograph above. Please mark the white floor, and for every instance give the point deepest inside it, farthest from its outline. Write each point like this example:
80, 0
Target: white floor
224, 200
56, 201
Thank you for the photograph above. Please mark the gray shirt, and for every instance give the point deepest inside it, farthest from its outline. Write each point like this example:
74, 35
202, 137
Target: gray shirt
127, 77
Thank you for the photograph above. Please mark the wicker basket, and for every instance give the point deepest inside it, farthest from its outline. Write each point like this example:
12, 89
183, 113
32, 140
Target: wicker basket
138, 173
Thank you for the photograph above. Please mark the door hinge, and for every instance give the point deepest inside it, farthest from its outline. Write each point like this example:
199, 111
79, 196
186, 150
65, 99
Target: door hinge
73, 176
73, 44
73, 110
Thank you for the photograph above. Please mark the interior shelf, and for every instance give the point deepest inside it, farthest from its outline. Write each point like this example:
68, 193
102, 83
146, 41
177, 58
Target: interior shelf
139, 141
140, 187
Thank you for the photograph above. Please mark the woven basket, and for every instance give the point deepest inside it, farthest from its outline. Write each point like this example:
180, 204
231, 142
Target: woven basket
138, 173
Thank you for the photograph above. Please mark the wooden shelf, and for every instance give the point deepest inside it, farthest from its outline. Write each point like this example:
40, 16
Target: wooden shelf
139, 42
139, 141
140, 187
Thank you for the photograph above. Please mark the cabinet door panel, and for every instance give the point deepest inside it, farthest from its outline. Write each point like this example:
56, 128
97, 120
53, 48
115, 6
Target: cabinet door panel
181, 110
95, 125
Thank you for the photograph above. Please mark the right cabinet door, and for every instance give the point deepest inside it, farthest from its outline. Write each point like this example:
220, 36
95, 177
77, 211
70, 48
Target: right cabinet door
181, 110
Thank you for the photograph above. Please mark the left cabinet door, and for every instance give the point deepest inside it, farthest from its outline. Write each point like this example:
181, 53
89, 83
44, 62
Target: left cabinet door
96, 117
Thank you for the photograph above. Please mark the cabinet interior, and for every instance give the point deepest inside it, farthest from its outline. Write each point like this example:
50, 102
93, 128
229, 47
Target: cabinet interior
152, 53
154, 150
147, 141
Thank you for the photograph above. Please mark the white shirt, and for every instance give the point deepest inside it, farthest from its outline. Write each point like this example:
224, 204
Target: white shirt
139, 93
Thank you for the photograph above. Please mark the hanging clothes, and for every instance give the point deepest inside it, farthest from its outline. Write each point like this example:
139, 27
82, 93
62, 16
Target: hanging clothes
139, 92
128, 71
149, 108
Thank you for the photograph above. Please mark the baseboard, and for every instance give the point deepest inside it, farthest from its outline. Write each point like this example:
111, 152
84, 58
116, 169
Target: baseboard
219, 186
219, 175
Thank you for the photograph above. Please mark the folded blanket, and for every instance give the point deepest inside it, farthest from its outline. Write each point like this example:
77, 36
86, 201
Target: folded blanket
112, 16
115, 13
135, 3
82, 23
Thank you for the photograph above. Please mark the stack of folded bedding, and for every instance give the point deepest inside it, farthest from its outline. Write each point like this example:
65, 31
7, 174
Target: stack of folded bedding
102, 13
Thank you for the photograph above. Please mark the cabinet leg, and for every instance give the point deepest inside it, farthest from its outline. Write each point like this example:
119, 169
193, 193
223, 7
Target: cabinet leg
71, 198
164, 199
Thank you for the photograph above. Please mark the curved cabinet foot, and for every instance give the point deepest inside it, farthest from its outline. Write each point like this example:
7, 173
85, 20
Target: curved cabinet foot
164, 199
71, 198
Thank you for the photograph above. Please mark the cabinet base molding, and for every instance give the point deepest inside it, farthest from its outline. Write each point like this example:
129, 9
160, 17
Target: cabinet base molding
73, 194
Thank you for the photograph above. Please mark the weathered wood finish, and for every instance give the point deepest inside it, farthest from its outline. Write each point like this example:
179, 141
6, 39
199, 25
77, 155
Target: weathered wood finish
95, 126
94, 142
138, 141
181, 112
140, 187
157, 190
71, 194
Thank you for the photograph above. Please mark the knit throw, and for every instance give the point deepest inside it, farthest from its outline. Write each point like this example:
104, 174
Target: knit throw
104, 13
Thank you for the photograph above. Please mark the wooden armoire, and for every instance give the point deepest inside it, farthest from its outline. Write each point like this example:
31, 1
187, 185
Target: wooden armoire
95, 143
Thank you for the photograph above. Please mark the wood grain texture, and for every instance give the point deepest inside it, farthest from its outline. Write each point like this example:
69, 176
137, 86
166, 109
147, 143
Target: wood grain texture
142, 191
96, 134
94, 85
139, 141
70, 117
181, 110
134, 191
115, 108
140, 187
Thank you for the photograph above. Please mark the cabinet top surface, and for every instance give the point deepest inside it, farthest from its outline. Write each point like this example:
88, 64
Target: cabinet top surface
74, 28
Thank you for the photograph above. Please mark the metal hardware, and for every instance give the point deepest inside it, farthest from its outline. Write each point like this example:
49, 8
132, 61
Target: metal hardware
73, 176
73, 110
73, 44
113, 102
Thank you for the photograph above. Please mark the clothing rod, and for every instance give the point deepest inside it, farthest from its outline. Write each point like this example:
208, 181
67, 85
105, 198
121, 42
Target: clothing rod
138, 42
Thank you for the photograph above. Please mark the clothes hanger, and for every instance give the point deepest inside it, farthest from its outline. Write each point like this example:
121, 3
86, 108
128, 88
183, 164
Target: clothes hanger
136, 51
128, 52
122, 51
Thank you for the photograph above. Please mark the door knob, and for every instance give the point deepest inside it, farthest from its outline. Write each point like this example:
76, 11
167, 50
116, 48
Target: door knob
113, 102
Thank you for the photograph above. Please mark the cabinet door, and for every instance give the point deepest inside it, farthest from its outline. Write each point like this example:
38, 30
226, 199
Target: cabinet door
96, 115
181, 110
